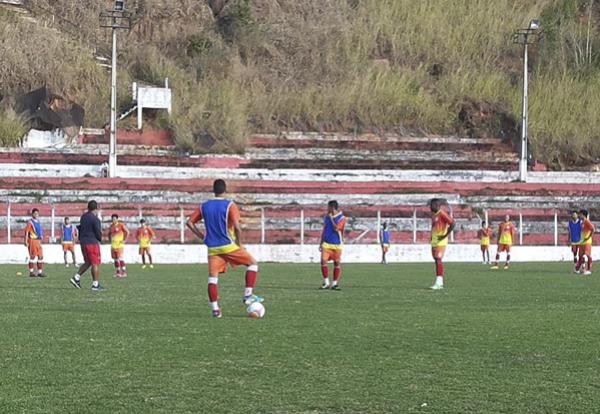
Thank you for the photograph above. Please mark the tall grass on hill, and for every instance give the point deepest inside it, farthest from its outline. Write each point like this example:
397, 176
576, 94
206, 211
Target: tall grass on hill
12, 128
331, 65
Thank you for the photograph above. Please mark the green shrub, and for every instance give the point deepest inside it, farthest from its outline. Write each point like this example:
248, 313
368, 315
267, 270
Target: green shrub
13, 128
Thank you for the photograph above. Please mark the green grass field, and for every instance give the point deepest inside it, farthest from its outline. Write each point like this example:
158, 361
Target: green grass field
523, 340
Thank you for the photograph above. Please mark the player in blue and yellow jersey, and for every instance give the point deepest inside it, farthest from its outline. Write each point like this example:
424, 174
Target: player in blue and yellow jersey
384, 237
68, 239
575, 236
223, 240
332, 243
33, 240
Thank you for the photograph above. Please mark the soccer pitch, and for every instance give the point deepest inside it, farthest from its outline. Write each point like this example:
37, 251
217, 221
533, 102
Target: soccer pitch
520, 340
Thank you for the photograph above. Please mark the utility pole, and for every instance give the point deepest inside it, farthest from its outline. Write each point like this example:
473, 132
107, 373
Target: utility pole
115, 19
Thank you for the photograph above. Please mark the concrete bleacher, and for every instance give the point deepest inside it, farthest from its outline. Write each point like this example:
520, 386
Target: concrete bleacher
374, 178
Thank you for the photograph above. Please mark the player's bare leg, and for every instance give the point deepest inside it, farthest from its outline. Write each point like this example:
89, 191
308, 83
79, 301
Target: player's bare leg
65, 258
143, 260
73, 256
150, 260
31, 266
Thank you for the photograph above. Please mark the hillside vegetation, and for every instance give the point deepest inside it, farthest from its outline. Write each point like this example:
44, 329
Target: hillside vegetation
238, 66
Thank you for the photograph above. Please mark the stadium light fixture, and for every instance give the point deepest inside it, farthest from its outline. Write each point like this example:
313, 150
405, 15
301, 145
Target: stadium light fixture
526, 37
115, 19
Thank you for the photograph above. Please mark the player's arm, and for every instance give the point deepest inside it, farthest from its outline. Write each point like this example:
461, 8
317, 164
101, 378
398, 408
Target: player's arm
125, 233
191, 224
26, 241
98, 230
591, 229
75, 235
233, 220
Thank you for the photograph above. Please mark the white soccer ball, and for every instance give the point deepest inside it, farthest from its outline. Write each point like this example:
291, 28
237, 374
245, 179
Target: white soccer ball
256, 310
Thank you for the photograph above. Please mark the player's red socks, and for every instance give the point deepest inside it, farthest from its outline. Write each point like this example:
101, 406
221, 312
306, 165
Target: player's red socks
589, 265
251, 275
325, 271
31, 267
580, 263
337, 272
40, 266
439, 268
213, 289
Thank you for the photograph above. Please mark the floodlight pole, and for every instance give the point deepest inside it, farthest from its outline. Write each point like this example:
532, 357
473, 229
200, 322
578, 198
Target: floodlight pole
526, 37
112, 152
114, 19
525, 114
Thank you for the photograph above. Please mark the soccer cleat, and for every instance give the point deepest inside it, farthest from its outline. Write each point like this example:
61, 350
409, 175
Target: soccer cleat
249, 300
76, 283
436, 287
587, 272
41, 275
66, 265
143, 266
217, 313
324, 286
335, 287
151, 266
505, 267
494, 267
32, 274
98, 288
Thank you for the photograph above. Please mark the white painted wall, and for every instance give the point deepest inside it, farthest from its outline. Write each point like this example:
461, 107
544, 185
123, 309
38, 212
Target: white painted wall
419, 253
132, 171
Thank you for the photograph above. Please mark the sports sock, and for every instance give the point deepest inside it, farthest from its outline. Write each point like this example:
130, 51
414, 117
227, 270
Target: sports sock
507, 259
31, 266
439, 268
117, 266
213, 289
77, 277
251, 275
95, 283
122, 264
439, 280
579, 263
40, 266
337, 272
589, 265
325, 271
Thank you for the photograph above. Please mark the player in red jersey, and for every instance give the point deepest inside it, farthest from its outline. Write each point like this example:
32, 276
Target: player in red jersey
441, 227
117, 235
144, 236
33, 242
506, 235
585, 248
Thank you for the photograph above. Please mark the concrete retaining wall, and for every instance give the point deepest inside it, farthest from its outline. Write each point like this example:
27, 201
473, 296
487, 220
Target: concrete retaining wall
302, 254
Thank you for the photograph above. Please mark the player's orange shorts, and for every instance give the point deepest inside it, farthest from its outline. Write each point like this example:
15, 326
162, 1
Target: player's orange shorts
385, 248
116, 253
218, 264
35, 248
438, 252
68, 247
144, 250
585, 249
485, 247
503, 248
330, 254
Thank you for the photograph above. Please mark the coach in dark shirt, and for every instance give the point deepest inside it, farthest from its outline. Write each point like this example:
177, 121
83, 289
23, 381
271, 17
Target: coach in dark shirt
90, 236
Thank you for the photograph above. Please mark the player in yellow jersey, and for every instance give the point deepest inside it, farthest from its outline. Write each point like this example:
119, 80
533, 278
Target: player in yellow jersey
144, 236
506, 235
117, 234
484, 235
441, 227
